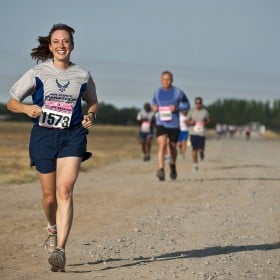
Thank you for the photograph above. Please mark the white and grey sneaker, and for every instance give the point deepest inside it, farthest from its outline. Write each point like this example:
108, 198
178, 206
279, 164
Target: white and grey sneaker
57, 260
51, 242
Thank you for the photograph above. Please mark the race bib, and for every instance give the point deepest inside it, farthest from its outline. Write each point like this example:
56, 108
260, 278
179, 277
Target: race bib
145, 126
199, 127
56, 115
165, 113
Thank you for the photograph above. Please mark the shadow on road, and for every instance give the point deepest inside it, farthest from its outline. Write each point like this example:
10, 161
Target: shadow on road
199, 253
234, 179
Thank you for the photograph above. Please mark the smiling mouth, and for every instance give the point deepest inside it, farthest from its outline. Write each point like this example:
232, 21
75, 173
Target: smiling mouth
61, 52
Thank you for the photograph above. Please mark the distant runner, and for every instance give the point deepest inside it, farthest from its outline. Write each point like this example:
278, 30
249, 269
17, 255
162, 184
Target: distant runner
146, 120
198, 118
167, 102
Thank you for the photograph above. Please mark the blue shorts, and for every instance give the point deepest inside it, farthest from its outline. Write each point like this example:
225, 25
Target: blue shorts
145, 135
183, 136
198, 142
47, 144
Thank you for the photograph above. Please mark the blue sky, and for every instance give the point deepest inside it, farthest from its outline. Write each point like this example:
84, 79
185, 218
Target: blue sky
215, 48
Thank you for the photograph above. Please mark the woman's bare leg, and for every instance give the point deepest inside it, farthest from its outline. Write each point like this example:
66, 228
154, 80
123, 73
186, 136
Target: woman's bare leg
67, 173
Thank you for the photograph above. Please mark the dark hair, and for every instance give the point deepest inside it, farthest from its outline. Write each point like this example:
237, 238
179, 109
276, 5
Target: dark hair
198, 99
147, 107
42, 52
168, 73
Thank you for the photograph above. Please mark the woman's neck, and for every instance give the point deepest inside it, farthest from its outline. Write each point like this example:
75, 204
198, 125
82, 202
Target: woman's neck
62, 64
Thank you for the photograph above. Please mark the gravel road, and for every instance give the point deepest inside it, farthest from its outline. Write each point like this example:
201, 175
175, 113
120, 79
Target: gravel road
222, 222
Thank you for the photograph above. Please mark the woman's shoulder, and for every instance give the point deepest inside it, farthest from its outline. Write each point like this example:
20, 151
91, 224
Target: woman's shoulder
79, 67
81, 71
42, 67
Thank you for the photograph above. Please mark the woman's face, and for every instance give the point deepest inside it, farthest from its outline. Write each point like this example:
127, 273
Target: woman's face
61, 46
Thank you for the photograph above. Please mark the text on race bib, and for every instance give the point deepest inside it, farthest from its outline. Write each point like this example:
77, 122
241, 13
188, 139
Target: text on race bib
164, 113
199, 127
56, 115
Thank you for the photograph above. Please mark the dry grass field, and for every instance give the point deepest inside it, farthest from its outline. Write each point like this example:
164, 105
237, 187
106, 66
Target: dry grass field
108, 144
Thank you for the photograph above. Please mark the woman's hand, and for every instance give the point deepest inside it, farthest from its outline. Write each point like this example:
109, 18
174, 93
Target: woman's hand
88, 120
33, 111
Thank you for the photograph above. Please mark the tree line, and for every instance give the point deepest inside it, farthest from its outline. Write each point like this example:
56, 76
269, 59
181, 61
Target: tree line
242, 112
229, 111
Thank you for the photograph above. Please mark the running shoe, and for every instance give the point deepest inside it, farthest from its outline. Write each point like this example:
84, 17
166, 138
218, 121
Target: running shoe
57, 260
167, 158
173, 172
147, 158
86, 156
161, 174
195, 168
51, 242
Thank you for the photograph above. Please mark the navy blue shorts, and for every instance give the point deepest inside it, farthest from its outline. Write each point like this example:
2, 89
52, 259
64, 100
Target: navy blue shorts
47, 144
145, 135
198, 142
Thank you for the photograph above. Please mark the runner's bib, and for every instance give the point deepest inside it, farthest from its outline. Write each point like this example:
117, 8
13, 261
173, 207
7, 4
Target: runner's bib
56, 115
164, 113
199, 127
145, 126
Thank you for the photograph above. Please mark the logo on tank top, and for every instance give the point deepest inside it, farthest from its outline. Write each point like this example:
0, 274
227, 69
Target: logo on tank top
61, 87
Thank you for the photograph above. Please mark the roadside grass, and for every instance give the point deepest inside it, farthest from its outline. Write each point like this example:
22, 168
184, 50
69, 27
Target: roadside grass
108, 143
271, 134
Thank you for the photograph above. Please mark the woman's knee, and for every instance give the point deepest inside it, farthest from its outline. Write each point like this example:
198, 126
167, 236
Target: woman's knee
49, 199
64, 192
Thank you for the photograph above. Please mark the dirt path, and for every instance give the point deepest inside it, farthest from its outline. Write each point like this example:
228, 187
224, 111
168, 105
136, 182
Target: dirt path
222, 222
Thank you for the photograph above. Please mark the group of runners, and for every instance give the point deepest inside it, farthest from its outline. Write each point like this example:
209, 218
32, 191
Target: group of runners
58, 140
172, 118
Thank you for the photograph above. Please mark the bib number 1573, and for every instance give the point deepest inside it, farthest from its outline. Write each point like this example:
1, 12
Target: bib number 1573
56, 114
52, 119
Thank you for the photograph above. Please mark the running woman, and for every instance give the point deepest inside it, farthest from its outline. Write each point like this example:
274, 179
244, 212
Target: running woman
59, 136
167, 102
